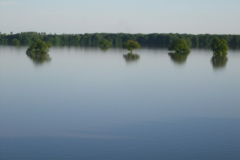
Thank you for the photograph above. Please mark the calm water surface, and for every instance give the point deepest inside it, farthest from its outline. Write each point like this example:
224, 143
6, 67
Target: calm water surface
85, 103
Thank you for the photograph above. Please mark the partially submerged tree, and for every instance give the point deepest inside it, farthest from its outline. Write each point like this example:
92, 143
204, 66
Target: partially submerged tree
219, 47
179, 46
131, 45
38, 48
38, 52
105, 44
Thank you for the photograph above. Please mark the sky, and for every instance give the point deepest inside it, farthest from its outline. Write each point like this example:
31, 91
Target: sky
120, 16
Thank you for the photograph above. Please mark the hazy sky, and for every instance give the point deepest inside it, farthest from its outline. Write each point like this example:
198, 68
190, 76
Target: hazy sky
114, 16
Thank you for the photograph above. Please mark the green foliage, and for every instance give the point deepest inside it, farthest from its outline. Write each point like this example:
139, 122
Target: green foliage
118, 40
219, 47
27, 41
4, 41
15, 42
56, 40
38, 51
131, 45
179, 46
105, 44
38, 48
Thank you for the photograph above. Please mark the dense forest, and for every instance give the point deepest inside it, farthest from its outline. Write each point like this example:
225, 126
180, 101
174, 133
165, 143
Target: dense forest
117, 40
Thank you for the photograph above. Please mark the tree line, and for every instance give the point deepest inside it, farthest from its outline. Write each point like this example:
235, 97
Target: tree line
117, 39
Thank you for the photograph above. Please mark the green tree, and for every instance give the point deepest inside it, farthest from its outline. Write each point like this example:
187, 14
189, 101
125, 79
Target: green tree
105, 44
131, 45
15, 42
179, 46
38, 51
219, 47
38, 48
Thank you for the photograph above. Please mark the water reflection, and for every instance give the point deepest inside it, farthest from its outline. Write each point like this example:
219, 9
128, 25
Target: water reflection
103, 48
219, 62
179, 58
130, 57
76, 109
39, 59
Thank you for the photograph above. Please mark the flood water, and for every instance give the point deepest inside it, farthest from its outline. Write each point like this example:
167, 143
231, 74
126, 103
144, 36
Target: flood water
85, 103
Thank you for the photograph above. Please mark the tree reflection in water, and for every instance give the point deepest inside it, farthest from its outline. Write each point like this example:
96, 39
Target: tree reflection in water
103, 48
179, 58
130, 57
219, 62
39, 59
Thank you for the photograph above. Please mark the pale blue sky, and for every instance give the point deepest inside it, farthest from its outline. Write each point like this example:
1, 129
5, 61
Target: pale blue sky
114, 16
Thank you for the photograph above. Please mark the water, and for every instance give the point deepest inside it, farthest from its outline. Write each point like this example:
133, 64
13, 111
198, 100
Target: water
86, 103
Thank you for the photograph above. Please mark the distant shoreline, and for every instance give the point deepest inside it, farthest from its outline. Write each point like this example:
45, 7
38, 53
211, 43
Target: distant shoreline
162, 40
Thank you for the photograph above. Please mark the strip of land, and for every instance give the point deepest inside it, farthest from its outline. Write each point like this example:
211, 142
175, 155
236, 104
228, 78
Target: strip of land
117, 39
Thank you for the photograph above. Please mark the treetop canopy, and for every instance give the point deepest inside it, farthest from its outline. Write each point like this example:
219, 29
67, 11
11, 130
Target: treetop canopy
219, 47
131, 45
38, 47
179, 46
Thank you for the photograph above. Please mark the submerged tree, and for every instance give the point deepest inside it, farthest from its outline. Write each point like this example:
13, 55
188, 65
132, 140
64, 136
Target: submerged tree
38, 51
38, 47
179, 46
219, 47
105, 44
131, 45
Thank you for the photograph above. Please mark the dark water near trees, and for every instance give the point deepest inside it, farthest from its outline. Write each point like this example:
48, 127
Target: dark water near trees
85, 103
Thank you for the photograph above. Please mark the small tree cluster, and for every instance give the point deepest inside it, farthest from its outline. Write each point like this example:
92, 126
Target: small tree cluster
219, 47
105, 44
131, 45
179, 46
38, 48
